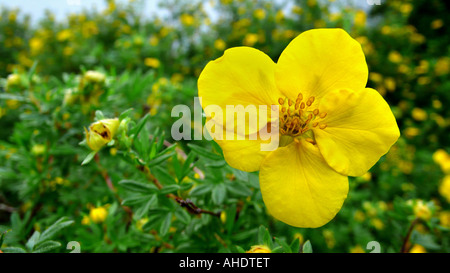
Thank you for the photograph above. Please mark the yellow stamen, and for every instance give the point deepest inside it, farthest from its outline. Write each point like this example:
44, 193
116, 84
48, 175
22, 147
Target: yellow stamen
322, 126
323, 115
280, 101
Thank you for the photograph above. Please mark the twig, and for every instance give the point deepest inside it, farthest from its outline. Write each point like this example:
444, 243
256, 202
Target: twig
7, 208
408, 235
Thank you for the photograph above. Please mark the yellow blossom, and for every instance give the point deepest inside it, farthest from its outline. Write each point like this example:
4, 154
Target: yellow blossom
411, 132
98, 215
101, 132
444, 219
357, 249
223, 217
299, 236
419, 114
442, 66
329, 238
437, 23
152, 62
259, 249
64, 35
13, 80
187, 19
38, 149
417, 249
94, 76
259, 14
360, 18
395, 57
421, 210
319, 96
250, 39
220, 44
377, 223
359, 216
444, 188
85, 221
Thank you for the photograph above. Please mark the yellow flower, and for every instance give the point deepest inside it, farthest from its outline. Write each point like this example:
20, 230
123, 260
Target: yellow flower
64, 35
419, 114
417, 249
377, 223
38, 149
442, 66
85, 221
327, 128
187, 19
98, 215
444, 188
329, 238
152, 62
437, 23
220, 44
12, 80
94, 76
299, 236
259, 14
357, 249
395, 57
360, 18
223, 217
421, 210
250, 39
444, 219
101, 132
259, 249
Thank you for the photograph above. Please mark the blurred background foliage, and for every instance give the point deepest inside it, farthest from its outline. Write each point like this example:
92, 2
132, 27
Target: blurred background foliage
144, 193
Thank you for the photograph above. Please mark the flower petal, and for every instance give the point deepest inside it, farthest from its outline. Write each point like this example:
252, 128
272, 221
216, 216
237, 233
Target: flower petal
246, 154
360, 129
242, 76
321, 60
299, 188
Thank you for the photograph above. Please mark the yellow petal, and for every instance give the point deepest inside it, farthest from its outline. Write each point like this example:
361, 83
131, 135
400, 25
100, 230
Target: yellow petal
299, 188
242, 76
321, 60
244, 154
360, 129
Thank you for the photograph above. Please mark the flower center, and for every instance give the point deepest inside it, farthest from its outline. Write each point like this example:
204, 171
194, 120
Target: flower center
299, 116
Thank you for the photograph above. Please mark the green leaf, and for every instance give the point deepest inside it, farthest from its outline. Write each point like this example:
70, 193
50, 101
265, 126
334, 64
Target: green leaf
203, 152
12, 249
88, 158
33, 240
169, 188
125, 113
137, 129
163, 176
99, 115
144, 209
135, 186
285, 246
46, 246
238, 188
295, 246
55, 228
135, 200
307, 247
218, 194
165, 224
202, 189
159, 159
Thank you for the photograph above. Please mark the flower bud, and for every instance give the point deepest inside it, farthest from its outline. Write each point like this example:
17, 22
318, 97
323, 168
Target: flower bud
98, 215
101, 132
12, 80
259, 249
94, 76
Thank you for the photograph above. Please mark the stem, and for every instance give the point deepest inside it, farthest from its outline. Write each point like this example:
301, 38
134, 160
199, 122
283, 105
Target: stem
408, 235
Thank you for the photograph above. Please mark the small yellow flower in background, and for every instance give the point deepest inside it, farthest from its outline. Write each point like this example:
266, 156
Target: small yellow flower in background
360, 18
94, 76
395, 57
304, 181
357, 249
366, 177
152, 62
437, 23
141, 222
220, 44
86, 220
444, 188
419, 114
153, 41
406, 8
417, 249
444, 219
38, 149
411, 132
279, 16
101, 132
390, 84
223, 217
421, 210
442, 66
299, 236
98, 215
250, 39
12, 104
377, 223
12, 80
375, 77
64, 35
442, 158
330, 241
259, 14
187, 19
259, 249
359, 216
